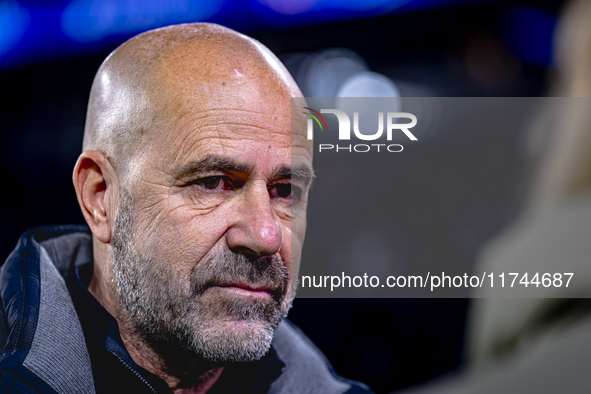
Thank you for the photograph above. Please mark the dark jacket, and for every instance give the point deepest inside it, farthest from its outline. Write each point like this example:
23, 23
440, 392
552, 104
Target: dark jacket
58, 339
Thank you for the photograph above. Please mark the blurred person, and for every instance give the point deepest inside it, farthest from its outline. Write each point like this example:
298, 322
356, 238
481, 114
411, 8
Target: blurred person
539, 344
195, 192
552, 235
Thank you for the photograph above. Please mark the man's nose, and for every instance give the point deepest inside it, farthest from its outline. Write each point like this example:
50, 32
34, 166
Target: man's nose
255, 230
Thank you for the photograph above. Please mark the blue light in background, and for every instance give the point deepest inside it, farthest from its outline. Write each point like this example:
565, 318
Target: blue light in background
528, 33
60, 28
88, 21
332, 8
14, 20
280, 14
290, 7
361, 6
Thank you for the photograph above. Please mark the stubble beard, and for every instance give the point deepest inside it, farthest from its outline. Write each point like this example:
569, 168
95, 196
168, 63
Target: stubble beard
197, 323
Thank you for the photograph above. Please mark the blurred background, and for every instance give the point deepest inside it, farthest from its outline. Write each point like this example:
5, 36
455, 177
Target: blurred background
50, 51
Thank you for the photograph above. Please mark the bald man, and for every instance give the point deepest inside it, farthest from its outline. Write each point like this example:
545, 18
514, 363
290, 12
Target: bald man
195, 189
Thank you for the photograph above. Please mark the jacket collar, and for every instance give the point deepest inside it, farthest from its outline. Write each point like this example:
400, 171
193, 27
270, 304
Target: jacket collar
46, 346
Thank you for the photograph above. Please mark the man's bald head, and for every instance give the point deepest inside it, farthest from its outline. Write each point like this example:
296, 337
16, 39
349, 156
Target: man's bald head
157, 77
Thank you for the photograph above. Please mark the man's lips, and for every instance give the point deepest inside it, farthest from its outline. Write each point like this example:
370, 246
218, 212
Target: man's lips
248, 290
247, 287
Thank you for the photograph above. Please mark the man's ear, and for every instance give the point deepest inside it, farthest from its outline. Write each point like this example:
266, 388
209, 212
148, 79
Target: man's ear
96, 186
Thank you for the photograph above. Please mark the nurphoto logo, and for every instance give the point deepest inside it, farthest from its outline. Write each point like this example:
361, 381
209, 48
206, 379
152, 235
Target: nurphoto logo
345, 130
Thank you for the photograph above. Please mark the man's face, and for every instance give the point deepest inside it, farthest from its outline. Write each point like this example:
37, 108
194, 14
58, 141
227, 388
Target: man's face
211, 223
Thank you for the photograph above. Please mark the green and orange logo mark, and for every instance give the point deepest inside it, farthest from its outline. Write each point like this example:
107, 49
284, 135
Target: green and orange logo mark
315, 117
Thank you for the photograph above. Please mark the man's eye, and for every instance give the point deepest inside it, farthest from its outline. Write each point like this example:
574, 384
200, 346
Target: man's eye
285, 190
214, 182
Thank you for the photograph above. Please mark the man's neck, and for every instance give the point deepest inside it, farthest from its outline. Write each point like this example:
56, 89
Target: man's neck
189, 377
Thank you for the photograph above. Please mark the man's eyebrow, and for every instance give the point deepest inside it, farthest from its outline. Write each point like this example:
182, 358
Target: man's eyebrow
304, 173
212, 163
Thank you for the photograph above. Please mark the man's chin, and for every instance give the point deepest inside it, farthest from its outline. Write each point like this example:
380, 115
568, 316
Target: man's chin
215, 343
230, 341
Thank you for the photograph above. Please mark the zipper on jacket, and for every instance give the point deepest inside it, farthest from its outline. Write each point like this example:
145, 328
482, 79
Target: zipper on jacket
136, 373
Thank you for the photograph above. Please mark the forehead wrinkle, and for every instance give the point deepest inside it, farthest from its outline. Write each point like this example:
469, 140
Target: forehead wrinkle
187, 119
192, 134
188, 130
213, 112
239, 103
